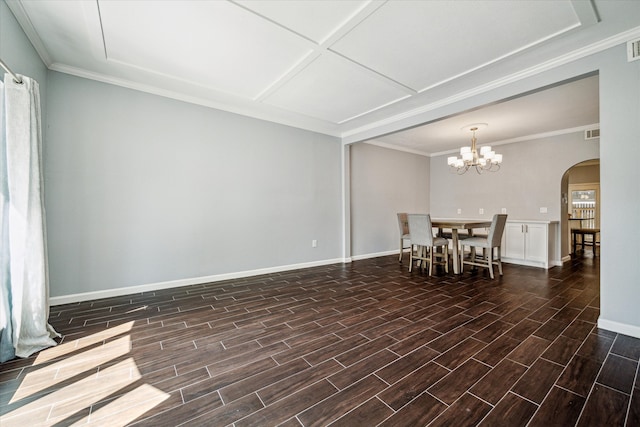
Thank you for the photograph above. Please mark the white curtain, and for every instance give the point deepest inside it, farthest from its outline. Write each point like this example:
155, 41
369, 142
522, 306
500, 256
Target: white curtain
24, 305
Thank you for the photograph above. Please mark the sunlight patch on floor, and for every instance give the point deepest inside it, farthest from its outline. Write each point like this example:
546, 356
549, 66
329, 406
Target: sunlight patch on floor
75, 345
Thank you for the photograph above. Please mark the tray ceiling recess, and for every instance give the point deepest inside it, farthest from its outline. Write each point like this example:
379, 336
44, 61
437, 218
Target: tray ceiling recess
328, 66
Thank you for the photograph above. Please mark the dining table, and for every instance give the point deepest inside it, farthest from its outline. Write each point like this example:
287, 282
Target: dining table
455, 225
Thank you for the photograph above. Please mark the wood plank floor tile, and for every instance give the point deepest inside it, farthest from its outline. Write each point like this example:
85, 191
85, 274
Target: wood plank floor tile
224, 378
596, 347
459, 354
562, 350
365, 350
481, 321
633, 417
560, 408
406, 389
370, 413
579, 375
497, 350
288, 407
466, 411
493, 331
605, 407
363, 343
543, 314
551, 329
415, 341
420, 411
626, 346
264, 378
450, 339
618, 373
227, 414
298, 382
523, 330
406, 364
342, 402
511, 411
454, 384
362, 369
538, 380
498, 381
529, 350
578, 329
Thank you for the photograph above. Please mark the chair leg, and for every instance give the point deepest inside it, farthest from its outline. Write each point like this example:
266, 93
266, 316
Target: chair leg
401, 250
499, 261
410, 258
446, 259
461, 258
490, 262
430, 260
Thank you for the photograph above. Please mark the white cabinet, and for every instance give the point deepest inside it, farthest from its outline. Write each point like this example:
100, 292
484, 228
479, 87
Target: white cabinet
530, 243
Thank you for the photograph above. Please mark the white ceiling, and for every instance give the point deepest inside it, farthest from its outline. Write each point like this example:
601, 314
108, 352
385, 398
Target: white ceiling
339, 67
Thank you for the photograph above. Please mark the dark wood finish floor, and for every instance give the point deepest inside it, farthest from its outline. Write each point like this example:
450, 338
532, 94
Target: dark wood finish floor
366, 343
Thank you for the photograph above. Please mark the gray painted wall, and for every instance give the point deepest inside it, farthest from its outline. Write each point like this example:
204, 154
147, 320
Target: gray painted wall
72, 160
383, 183
530, 178
620, 127
620, 200
144, 189
18, 53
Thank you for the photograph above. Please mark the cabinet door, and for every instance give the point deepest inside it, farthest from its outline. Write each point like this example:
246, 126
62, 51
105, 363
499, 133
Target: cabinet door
514, 240
536, 243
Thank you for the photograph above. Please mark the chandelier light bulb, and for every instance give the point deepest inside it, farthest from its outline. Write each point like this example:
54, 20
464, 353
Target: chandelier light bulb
483, 160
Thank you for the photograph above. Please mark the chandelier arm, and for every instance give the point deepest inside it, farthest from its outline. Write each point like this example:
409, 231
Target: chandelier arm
490, 161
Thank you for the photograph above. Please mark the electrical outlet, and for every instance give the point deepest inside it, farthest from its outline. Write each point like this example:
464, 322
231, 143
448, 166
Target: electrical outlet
504, 210
481, 211
543, 210
459, 211
314, 243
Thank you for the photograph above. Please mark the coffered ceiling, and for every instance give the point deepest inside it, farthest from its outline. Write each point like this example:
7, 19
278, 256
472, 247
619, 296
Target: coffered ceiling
335, 67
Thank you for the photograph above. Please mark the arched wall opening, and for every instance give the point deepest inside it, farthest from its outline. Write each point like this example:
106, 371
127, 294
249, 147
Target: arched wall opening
579, 181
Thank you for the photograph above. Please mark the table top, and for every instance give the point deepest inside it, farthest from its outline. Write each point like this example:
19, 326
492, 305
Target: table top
460, 223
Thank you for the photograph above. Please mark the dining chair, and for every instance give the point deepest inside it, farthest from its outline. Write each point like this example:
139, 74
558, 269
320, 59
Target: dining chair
424, 246
488, 243
403, 225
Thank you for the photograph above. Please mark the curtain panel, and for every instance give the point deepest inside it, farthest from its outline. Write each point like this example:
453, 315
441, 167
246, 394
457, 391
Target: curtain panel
24, 305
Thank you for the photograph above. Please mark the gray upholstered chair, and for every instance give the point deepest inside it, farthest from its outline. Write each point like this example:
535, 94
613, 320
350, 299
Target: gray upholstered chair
403, 226
488, 243
424, 245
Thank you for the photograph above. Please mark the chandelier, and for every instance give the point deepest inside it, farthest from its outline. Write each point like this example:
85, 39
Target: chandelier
486, 160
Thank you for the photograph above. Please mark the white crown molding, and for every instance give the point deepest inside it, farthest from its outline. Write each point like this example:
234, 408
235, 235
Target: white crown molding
316, 125
325, 128
350, 136
396, 147
527, 138
23, 19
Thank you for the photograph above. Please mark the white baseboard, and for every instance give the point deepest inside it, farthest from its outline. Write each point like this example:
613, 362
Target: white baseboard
108, 293
374, 255
620, 328
566, 259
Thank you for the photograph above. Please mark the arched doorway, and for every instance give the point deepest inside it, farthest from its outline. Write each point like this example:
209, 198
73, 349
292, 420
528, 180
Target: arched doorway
580, 207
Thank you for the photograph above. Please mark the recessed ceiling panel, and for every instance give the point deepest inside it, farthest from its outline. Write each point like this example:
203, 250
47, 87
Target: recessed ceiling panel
332, 89
216, 44
316, 20
430, 42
